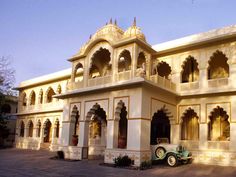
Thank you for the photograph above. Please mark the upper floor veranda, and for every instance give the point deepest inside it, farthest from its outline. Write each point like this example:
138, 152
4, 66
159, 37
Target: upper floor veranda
199, 64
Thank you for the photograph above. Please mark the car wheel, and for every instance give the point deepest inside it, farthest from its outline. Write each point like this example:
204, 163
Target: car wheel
160, 152
172, 160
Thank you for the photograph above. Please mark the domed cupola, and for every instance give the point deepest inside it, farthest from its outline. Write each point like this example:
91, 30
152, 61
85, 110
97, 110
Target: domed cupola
134, 31
110, 30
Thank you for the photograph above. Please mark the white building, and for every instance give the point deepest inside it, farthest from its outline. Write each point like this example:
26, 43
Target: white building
122, 94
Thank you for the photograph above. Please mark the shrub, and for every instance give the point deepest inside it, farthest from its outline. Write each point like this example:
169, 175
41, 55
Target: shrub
146, 165
122, 161
60, 154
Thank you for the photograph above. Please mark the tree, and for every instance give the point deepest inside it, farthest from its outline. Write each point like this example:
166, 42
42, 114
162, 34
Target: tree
6, 83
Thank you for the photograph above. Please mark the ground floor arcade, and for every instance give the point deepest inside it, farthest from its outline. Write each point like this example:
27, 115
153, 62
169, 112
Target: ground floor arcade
129, 121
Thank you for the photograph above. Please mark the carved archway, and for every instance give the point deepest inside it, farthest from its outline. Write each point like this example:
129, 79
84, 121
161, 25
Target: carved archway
163, 69
218, 66
190, 71
218, 125
124, 61
190, 125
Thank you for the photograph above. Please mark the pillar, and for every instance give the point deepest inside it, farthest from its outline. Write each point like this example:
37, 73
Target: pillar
203, 139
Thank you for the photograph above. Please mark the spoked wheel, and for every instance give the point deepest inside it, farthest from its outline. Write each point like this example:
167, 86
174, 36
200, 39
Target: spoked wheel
160, 152
172, 160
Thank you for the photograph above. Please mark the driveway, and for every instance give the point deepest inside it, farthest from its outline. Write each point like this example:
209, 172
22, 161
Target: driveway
16, 162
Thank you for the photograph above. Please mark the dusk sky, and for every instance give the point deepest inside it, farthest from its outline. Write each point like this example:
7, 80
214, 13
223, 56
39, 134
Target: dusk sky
40, 35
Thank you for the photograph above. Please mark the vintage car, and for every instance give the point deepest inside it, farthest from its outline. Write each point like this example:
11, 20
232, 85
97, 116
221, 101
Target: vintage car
171, 153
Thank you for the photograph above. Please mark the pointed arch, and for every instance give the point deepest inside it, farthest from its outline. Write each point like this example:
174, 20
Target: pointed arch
163, 69
47, 131
41, 96
24, 99
218, 66
190, 125
141, 60
124, 61
78, 69
30, 128
100, 63
218, 125
121, 115
49, 93
32, 98
39, 126
57, 128
22, 129
190, 71
160, 126
59, 89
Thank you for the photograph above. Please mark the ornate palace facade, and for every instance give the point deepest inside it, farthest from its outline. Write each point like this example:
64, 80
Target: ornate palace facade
121, 94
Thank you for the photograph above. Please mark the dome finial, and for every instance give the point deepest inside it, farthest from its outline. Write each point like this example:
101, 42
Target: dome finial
111, 21
115, 22
134, 23
90, 36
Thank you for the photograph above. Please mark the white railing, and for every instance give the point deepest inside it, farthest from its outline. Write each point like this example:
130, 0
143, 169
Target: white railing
99, 81
125, 75
56, 104
189, 86
218, 82
166, 83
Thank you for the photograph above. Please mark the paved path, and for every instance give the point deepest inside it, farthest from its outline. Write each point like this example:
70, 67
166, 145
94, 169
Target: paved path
24, 163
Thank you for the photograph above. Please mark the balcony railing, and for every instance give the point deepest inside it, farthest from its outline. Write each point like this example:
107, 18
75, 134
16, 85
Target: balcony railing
56, 104
99, 81
222, 145
218, 82
75, 85
163, 82
125, 75
190, 144
189, 86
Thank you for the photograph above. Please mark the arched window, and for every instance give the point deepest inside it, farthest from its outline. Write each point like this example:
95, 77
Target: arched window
141, 60
160, 126
57, 127
190, 72
219, 126
124, 62
100, 63
123, 126
163, 69
31, 128
41, 96
24, 99
6, 109
32, 98
39, 128
78, 72
218, 66
59, 89
49, 95
190, 126
22, 129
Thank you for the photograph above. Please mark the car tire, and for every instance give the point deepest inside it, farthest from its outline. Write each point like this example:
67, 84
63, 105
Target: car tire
172, 160
160, 152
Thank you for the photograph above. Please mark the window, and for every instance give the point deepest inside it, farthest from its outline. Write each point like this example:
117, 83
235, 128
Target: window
32, 98
22, 129
190, 72
50, 93
164, 69
123, 125
31, 128
190, 126
218, 126
218, 66
124, 62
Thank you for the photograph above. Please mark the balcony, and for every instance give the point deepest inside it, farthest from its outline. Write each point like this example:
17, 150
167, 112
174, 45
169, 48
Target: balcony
189, 86
55, 105
125, 75
163, 82
75, 85
218, 82
99, 81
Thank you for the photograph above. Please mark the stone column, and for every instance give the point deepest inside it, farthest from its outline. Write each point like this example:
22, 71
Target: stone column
174, 133
83, 138
134, 61
203, 131
112, 134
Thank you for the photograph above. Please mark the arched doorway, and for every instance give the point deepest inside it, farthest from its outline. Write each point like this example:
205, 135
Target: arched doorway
47, 131
160, 127
97, 132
